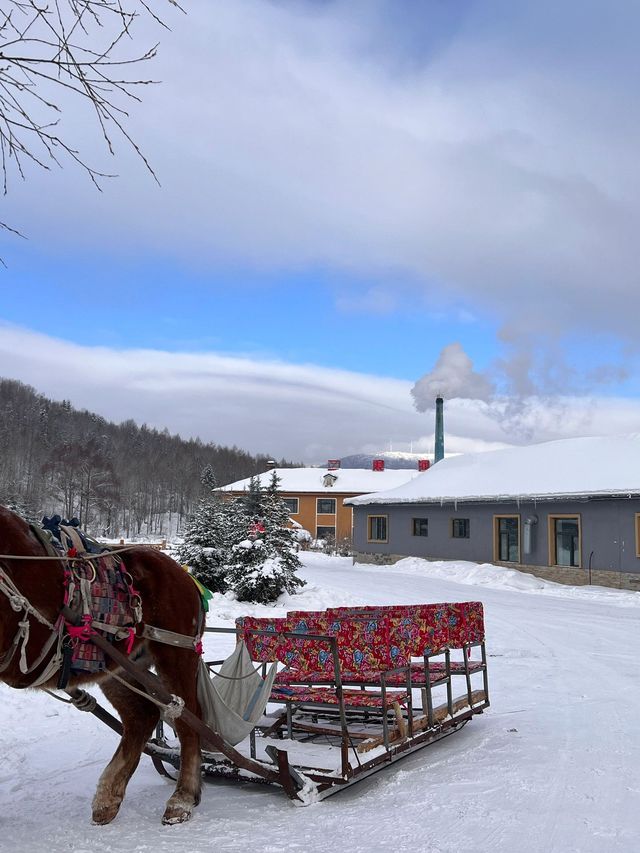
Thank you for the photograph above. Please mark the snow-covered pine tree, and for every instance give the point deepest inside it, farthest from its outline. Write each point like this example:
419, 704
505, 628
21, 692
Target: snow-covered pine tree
280, 536
209, 537
264, 564
253, 499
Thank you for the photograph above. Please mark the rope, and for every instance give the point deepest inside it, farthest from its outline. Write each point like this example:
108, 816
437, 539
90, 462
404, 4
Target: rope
59, 698
18, 602
83, 701
170, 711
234, 677
85, 556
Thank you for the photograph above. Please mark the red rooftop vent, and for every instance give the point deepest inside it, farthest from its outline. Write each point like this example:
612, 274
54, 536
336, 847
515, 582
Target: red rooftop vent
423, 464
333, 464
378, 465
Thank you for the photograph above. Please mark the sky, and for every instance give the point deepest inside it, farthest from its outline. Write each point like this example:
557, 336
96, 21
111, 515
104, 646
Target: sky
359, 205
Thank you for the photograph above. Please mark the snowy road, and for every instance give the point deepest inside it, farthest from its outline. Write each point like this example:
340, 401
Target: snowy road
553, 765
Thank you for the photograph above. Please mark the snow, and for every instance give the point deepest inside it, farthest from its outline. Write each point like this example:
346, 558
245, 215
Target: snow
573, 467
552, 766
347, 480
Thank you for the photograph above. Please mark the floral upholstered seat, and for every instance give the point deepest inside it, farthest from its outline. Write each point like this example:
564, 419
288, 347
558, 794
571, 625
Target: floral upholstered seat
326, 696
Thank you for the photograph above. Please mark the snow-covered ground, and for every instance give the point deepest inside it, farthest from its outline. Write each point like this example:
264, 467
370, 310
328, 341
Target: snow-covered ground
553, 765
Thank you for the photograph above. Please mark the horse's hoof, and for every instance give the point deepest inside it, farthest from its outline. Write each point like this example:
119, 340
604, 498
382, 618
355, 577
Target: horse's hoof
104, 814
175, 814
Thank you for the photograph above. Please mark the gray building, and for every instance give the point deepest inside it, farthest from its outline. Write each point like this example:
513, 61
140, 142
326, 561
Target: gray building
567, 511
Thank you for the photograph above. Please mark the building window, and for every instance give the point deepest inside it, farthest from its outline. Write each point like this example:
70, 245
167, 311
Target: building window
420, 526
377, 528
460, 528
507, 538
292, 505
326, 533
326, 506
564, 540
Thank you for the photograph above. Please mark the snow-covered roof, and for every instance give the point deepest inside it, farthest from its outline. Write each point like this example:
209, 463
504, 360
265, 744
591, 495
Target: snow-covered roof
354, 481
574, 467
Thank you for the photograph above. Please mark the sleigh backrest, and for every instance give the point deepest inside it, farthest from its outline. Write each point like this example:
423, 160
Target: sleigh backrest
262, 637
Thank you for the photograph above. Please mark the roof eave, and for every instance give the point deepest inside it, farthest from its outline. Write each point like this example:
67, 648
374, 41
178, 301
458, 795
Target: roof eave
449, 499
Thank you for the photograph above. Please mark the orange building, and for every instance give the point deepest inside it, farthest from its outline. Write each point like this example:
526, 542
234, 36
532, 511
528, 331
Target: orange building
316, 496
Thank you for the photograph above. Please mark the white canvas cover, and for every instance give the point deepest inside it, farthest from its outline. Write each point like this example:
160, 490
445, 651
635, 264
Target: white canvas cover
234, 700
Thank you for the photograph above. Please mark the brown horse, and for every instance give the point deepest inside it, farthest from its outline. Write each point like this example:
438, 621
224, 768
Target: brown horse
170, 601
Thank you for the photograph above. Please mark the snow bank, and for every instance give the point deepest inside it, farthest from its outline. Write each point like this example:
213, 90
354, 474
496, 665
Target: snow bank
498, 577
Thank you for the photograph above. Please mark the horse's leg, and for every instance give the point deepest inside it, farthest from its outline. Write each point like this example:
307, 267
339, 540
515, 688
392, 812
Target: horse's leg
178, 669
139, 717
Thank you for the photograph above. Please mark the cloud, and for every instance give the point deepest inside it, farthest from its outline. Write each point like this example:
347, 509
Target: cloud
494, 161
300, 412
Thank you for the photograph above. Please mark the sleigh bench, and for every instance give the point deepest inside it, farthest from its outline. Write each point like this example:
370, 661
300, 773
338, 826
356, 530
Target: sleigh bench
398, 646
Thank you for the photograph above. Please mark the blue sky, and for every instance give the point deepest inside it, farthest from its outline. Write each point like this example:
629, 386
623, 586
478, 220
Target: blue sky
386, 191
308, 315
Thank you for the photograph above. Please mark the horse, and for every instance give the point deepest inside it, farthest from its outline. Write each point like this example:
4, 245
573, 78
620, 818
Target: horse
170, 601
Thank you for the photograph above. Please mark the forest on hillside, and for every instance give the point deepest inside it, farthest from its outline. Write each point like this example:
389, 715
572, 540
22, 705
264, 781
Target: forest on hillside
119, 479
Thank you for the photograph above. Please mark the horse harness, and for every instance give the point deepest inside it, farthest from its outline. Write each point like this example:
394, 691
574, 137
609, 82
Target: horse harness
95, 584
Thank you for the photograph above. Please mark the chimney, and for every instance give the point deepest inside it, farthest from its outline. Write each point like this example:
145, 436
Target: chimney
378, 465
439, 454
333, 464
423, 464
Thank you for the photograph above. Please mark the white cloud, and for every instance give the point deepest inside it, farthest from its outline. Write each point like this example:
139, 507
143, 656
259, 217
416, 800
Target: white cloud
502, 168
301, 412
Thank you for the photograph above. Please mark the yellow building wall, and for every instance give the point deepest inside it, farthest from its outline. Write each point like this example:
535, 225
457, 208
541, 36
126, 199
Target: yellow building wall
310, 519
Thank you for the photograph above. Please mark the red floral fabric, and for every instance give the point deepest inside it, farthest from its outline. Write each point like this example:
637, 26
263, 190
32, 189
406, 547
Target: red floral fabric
466, 623
326, 696
369, 640
264, 648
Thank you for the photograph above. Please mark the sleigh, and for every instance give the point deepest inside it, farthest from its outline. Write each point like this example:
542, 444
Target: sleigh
351, 690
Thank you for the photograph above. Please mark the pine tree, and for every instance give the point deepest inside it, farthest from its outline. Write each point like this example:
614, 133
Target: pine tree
253, 498
264, 564
209, 537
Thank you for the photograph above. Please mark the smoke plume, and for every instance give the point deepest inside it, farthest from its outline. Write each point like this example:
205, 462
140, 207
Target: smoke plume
452, 376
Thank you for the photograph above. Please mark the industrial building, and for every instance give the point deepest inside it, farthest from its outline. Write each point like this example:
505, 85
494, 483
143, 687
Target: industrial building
566, 510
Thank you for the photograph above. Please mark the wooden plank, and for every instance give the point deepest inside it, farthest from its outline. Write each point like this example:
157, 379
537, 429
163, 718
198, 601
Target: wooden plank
328, 730
439, 714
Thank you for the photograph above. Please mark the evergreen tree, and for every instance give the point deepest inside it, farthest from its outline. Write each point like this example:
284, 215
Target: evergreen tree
263, 565
209, 537
281, 537
253, 498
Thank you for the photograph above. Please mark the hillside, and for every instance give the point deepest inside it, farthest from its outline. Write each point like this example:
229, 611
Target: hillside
392, 459
120, 479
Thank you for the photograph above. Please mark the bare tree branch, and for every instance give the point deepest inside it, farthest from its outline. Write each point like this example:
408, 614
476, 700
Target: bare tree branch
55, 51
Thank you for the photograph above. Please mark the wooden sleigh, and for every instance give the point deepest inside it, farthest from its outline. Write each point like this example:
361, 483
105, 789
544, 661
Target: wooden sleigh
356, 690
